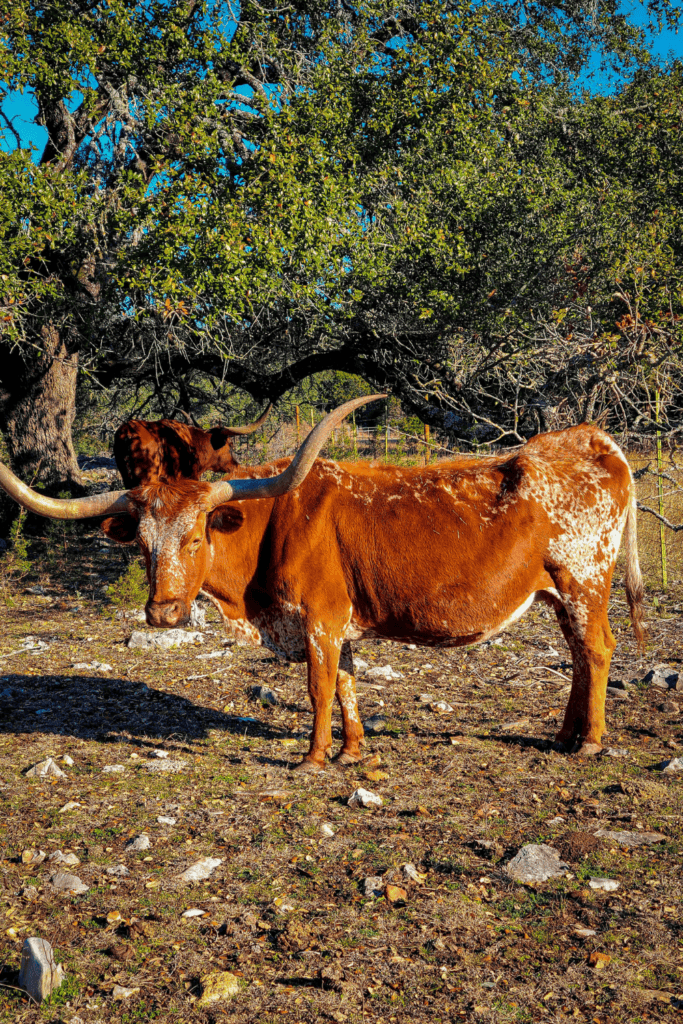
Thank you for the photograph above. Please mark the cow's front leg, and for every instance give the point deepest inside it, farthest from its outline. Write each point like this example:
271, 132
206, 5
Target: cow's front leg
352, 727
322, 655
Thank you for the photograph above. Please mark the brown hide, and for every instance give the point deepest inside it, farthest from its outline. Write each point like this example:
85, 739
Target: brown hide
445, 555
168, 450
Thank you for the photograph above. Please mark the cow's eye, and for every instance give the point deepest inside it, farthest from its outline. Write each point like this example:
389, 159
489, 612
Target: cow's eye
194, 545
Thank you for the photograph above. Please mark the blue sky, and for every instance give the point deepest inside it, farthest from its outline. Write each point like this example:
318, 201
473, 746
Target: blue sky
22, 109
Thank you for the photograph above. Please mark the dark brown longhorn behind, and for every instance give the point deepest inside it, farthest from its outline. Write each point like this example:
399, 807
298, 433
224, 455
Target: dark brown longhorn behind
147, 451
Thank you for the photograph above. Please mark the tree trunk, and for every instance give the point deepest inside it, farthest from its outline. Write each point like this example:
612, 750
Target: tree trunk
37, 411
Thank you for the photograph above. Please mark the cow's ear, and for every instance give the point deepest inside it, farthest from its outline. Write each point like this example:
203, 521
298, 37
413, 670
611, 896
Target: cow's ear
226, 519
218, 437
123, 529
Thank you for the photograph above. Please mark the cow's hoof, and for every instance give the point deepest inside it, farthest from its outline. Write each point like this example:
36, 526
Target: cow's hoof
589, 749
344, 758
309, 767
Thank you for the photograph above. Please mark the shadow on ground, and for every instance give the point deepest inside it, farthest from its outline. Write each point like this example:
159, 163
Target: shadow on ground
90, 707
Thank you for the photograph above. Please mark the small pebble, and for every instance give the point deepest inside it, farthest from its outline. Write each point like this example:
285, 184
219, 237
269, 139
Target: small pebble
364, 798
141, 842
608, 884
201, 870
118, 871
166, 821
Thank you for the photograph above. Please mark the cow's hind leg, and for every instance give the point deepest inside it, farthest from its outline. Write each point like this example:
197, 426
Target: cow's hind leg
322, 655
583, 619
352, 727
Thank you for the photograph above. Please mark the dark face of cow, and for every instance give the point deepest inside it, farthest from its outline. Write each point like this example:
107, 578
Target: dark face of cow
172, 530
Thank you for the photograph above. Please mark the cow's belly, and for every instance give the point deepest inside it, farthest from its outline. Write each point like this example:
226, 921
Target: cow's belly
447, 632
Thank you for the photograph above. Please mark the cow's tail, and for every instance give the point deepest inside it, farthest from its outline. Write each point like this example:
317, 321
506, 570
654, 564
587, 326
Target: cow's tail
633, 579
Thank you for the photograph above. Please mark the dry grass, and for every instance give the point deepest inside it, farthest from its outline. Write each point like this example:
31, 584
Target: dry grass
285, 909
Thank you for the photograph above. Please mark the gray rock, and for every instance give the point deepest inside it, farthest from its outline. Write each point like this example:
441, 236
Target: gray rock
69, 860
141, 842
373, 886
631, 838
375, 725
360, 667
364, 798
607, 884
669, 707
674, 765
616, 752
663, 677
45, 768
40, 975
32, 645
118, 871
134, 615
383, 672
536, 862
92, 666
442, 707
114, 769
214, 654
617, 693
201, 870
264, 694
40, 591
163, 640
172, 766
166, 821
68, 883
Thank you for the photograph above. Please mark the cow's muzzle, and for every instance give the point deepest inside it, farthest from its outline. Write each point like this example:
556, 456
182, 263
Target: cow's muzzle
165, 614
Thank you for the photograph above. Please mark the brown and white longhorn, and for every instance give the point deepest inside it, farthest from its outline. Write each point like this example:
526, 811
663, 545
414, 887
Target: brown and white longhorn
306, 555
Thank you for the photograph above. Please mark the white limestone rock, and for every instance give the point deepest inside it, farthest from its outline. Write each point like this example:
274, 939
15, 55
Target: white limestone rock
536, 862
45, 768
163, 640
40, 975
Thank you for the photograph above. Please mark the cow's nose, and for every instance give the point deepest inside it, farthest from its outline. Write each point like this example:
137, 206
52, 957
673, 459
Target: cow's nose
167, 613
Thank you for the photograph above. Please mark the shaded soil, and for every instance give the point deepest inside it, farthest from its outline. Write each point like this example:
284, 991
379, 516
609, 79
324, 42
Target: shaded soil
285, 910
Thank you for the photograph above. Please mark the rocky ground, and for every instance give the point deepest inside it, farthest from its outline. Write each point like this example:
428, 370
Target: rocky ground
308, 902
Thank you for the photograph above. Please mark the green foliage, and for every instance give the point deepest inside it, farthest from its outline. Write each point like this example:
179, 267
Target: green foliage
130, 589
423, 200
15, 563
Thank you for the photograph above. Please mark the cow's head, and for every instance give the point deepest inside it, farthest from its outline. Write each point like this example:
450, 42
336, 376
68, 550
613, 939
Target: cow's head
172, 522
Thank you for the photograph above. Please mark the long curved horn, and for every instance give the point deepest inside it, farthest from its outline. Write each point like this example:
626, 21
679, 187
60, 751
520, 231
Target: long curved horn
250, 427
112, 503
296, 472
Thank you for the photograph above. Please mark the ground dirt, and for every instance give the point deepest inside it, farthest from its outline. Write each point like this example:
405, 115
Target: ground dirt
286, 910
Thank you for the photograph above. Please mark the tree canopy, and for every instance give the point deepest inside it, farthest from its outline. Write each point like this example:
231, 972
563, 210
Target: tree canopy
422, 195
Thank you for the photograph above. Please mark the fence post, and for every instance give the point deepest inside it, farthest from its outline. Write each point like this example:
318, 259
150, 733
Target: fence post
660, 493
355, 437
426, 443
298, 427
